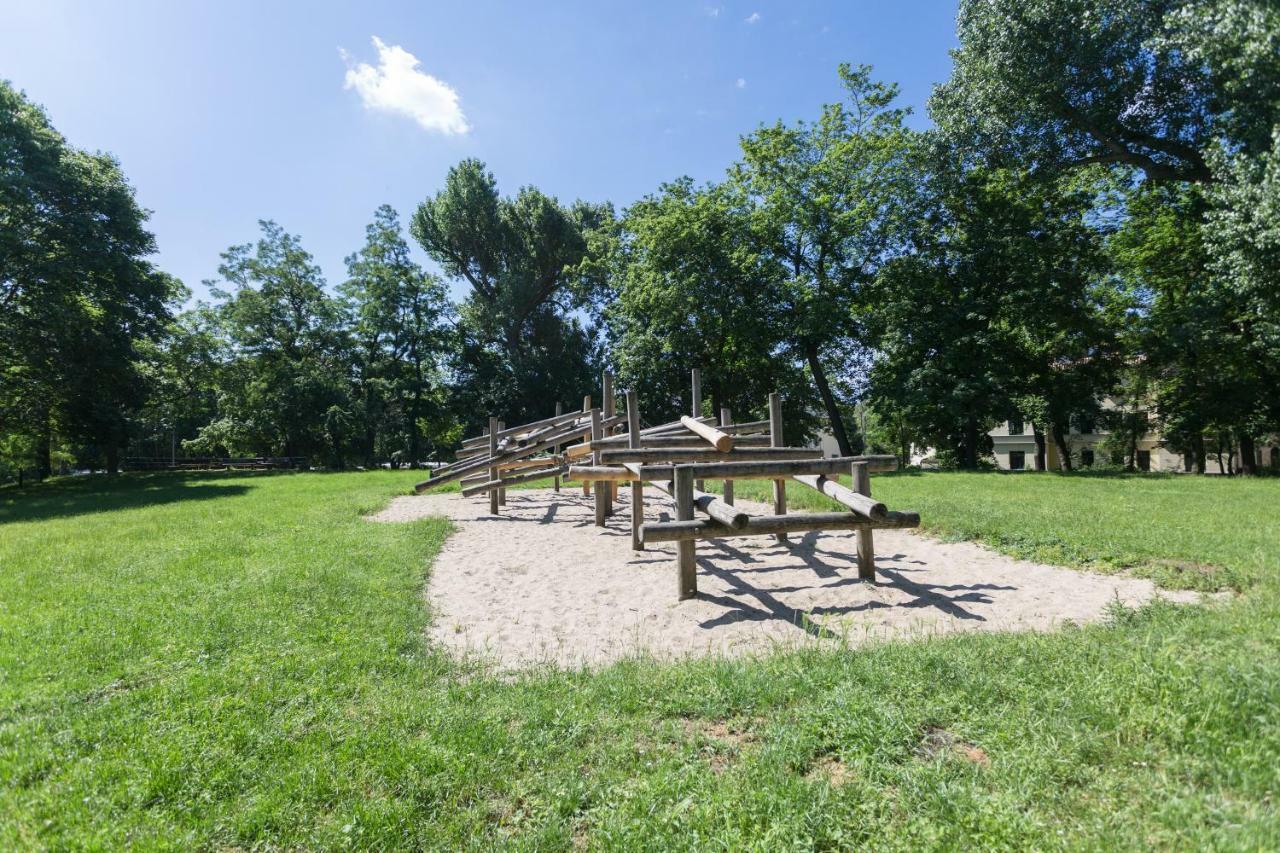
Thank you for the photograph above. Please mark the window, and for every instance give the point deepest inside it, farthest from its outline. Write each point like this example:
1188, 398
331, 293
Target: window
1017, 460
1015, 426
1086, 458
1144, 460
1085, 424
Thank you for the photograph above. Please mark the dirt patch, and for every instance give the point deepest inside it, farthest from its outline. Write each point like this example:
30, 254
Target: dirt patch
937, 743
541, 584
831, 770
721, 741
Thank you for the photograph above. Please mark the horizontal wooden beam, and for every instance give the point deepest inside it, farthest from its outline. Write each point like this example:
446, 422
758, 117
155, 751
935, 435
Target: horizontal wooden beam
710, 454
554, 420
767, 525
503, 482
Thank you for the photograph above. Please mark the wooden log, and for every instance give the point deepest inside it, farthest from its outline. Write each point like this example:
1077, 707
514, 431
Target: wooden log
853, 500
607, 409
586, 408
686, 550
678, 440
866, 548
710, 454
705, 502
719, 440
768, 469
501, 483
775, 433
534, 462
683, 530
601, 489
747, 428
502, 493
474, 466
637, 486
555, 448
693, 442
482, 441
696, 412
725, 420
493, 471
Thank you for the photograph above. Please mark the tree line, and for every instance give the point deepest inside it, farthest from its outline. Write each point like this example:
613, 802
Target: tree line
1093, 215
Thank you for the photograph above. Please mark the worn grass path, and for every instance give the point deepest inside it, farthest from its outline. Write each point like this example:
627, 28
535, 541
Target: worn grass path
238, 661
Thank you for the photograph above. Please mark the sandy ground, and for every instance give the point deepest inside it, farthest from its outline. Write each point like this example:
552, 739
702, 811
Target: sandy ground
540, 583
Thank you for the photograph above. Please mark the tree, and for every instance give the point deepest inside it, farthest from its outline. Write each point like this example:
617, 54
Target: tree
827, 196
398, 312
521, 258
78, 297
693, 289
1056, 84
999, 310
286, 389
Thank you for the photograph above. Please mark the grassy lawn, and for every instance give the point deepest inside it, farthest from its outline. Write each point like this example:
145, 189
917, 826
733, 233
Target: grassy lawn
238, 661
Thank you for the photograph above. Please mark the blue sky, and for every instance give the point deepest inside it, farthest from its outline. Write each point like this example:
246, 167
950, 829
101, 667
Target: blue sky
223, 113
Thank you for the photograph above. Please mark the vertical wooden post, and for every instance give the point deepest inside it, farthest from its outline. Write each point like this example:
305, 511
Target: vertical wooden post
601, 494
866, 546
725, 420
775, 439
502, 491
695, 409
556, 449
686, 549
493, 472
586, 407
637, 487
607, 410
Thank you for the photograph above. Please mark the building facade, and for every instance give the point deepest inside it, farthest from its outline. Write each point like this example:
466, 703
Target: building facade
1014, 446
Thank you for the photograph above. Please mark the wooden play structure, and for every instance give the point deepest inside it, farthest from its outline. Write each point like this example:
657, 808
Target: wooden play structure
601, 449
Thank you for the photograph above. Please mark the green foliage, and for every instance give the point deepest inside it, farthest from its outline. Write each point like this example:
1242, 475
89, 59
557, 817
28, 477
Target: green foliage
1055, 84
523, 259
399, 338
78, 299
999, 308
692, 287
828, 201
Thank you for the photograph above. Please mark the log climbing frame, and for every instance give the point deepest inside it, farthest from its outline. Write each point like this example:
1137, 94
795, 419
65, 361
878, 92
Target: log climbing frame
601, 449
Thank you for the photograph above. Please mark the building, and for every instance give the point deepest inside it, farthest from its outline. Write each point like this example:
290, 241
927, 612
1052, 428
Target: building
1014, 446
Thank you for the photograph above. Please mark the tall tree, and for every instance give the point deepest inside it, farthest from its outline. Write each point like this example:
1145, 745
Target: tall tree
287, 387
521, 258
694, 289
398, 312
1000, 309
828, 197
78, 296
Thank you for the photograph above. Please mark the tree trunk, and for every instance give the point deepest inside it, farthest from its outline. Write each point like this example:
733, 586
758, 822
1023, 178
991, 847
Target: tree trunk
828, 401
1248, 455
1041, 453
113, 459
969, 449
1064, 453
1197, 453
44, 447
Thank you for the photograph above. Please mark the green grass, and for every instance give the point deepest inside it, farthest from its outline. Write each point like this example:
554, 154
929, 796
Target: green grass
239, 661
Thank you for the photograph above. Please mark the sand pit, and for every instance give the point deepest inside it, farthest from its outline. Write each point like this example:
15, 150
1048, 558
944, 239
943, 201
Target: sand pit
541, 583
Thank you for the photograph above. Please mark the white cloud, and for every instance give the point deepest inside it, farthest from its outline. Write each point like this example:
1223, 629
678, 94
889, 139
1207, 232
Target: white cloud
753, 18
397, 85
741, 83
713, 11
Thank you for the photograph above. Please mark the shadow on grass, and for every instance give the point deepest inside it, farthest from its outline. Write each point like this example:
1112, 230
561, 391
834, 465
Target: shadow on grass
72, 496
